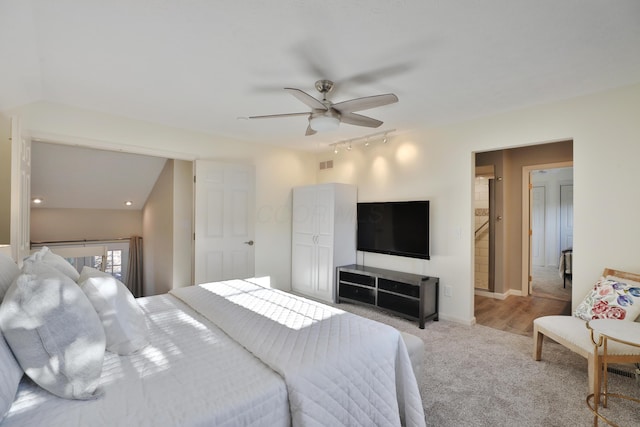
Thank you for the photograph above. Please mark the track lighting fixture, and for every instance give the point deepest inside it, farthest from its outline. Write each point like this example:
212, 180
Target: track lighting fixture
348, 144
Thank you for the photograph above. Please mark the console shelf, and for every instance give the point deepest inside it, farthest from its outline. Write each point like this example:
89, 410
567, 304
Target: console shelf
410, 295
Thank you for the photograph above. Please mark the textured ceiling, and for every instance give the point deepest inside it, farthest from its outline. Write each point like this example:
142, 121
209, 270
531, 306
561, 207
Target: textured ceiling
201, 64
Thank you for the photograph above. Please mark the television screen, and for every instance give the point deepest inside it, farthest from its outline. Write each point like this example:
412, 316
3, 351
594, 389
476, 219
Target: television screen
394, 228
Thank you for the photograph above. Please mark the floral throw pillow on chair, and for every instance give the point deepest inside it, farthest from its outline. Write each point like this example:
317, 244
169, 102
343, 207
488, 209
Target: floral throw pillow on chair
611, 299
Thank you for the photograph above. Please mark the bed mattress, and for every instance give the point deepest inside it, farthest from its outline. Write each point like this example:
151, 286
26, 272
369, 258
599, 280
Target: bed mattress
191, 374
340, 369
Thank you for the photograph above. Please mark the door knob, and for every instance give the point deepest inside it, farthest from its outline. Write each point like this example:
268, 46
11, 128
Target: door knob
250, 243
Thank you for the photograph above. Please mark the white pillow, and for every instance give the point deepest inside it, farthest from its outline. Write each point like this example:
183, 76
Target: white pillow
54, 260
9, 270
123, 320
10, 375
54, 332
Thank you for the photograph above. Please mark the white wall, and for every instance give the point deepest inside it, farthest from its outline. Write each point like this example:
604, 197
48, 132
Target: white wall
438, 165
49, 224
277, 169
182, 223
5, 179
158, 234
435, 164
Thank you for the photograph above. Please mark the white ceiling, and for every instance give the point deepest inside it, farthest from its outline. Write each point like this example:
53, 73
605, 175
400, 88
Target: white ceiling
202, 64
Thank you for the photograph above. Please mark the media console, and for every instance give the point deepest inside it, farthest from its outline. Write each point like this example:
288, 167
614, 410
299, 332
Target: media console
410, 295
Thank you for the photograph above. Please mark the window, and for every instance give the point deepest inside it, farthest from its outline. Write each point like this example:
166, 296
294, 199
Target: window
116, 260
114, 263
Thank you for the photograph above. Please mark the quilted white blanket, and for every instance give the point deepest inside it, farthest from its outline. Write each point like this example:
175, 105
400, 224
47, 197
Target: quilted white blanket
339, 368
190, 375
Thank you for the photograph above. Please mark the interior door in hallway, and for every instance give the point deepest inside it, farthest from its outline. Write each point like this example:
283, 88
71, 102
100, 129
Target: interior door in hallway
538, 209
224, 221
566, 216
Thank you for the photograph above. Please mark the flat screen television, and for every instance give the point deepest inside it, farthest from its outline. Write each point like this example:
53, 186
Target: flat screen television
394, 228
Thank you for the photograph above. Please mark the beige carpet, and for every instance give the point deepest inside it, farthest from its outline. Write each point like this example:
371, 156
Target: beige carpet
547, 283
479, 376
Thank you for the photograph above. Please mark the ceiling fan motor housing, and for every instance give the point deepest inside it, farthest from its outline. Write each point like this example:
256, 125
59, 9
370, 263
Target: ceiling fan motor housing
324, 86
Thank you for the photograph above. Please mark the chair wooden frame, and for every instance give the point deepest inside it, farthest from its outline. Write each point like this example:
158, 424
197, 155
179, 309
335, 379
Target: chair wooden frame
593, 359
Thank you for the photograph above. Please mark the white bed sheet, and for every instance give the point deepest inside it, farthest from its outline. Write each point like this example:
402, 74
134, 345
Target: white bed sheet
191, 374
340, 369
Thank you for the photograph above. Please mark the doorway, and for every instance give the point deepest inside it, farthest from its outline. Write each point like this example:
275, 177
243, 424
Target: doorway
223, 225
484, 238
550, 229
511, 306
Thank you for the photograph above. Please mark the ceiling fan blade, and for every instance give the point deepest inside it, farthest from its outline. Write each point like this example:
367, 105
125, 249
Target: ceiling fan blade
306, 98
365, 103
310, 131
378, 74
359, 120
272, 116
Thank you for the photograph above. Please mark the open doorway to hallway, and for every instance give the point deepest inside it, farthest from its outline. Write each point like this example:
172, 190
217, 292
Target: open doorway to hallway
509, 304
484, 204
551, 213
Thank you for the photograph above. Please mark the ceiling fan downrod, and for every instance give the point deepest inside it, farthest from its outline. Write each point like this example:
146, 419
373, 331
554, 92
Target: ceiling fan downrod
324, 87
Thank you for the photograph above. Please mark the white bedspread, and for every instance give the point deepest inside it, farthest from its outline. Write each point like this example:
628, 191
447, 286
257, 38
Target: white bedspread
191, 374
340, 369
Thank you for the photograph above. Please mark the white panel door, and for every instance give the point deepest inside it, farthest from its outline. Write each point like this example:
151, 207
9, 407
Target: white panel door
566, 217
224, 221
538, 209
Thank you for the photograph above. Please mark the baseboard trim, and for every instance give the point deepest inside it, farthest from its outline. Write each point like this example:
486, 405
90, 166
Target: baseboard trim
467, 322
497, 295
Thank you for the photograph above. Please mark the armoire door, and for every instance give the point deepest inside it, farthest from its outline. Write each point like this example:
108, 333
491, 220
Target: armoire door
303, 249
325, 211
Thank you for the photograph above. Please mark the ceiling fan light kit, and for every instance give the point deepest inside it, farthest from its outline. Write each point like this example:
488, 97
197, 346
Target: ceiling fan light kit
325, 115
324, 123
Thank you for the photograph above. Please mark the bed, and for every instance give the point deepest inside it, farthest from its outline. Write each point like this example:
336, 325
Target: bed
565, 266
238, 353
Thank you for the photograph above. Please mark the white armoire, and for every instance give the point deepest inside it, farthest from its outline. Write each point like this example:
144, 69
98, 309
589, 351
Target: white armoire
323, 237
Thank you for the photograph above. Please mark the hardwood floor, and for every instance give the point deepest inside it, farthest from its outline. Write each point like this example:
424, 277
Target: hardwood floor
515, 314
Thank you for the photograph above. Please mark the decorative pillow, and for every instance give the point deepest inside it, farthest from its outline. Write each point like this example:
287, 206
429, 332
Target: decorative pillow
9, 270
54, 332
610, 299
10, 375
631, 283
54, 260
123, 320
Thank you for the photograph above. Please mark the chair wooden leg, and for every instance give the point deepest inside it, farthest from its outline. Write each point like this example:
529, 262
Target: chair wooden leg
595, 372
538, 338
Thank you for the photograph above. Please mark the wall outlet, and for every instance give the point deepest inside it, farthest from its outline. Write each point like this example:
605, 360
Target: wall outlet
448, 291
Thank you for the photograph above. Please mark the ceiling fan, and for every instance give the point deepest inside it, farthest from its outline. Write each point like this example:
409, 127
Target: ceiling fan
325, 115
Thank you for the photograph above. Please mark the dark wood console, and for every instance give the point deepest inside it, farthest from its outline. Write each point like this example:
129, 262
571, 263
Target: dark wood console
410, 295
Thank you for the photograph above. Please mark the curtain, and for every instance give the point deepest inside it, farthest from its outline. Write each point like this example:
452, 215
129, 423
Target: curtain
134, 272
